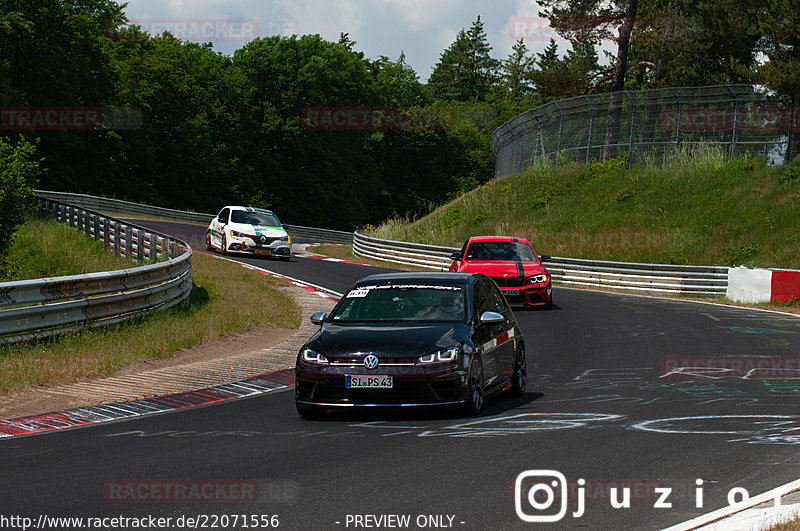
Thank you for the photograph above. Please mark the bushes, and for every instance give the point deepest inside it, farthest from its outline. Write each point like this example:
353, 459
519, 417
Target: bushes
18, 175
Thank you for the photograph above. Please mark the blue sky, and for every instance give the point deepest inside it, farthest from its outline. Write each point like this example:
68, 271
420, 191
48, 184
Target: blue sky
420, 28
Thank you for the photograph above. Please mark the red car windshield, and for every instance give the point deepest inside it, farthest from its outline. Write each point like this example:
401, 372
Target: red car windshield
498, 250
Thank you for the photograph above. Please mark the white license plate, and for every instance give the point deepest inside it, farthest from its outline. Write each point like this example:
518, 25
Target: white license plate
511, 291
373, 382
262, 251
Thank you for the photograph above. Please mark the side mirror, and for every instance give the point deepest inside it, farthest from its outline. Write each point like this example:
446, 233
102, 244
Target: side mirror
318, 317
545, 258
492, 318
455, 257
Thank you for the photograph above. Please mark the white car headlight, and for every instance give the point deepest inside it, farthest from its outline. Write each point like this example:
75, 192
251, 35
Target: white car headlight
442, 356
538, 279
314, 357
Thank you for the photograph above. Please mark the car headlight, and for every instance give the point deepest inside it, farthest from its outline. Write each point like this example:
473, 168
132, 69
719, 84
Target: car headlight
285, 239
442, 356
538, 279
237, 234
314, 357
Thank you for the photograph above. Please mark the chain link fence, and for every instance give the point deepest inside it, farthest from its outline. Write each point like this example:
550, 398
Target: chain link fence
647, 124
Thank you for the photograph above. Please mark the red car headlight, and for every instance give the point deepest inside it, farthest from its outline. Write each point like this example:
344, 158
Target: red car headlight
538, 279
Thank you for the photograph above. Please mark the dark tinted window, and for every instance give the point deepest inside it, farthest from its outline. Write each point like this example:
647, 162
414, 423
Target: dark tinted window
480, 299
401, 303
255, 218
223, 215
497, 301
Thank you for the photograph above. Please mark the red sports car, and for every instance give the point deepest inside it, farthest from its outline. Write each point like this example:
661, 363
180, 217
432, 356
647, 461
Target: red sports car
513, 265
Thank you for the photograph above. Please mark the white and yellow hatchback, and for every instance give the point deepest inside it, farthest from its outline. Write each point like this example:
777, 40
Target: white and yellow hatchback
248, 230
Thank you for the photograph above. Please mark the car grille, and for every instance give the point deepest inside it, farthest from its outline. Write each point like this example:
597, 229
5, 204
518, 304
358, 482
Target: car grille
531, 297
516, 299
265, 241
509, 282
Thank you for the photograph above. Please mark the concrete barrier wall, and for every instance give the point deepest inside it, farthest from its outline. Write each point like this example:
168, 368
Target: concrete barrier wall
752, 285
785, 286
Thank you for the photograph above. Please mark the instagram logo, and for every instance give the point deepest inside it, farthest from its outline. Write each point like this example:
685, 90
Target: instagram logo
535, 494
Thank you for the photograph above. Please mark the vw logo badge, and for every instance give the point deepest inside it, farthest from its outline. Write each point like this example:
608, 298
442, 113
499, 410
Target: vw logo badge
371, 361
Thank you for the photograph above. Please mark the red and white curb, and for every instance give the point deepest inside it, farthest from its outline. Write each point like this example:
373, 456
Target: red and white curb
86, 416
751, 285
323, 292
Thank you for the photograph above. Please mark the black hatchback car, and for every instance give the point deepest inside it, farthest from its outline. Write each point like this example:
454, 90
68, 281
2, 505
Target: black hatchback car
412, 339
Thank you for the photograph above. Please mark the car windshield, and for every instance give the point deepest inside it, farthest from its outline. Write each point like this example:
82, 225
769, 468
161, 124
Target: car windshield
402, 303
501, 251
254, 218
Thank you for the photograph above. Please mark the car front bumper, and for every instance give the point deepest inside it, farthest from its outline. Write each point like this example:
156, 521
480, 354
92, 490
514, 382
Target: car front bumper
528, 295
277, 248
330, 391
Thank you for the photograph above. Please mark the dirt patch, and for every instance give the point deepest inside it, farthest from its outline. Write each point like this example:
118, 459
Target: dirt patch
254, 339
34, 402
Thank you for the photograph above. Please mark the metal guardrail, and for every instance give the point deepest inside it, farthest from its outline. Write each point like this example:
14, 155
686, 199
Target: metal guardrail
40, 308
126, 207
118, 206
706, 281
416, 254
322, 235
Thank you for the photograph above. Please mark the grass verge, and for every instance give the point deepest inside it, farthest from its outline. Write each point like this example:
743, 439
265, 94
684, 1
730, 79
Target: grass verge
794, 525
698, 208
226, 299
47, 248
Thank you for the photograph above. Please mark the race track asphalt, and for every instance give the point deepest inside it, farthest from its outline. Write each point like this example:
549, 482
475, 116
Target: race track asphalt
607, 402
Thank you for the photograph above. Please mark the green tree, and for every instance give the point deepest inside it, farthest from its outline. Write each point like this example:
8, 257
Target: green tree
573, 75
515, 71
19, 172
681, 43
52, 51
397, 83
187, 153
690, 43
466, 71
589, 21
308, 174
780, 20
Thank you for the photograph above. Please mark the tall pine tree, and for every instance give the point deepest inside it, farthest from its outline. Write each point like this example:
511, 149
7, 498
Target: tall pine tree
515, 71
466, 71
